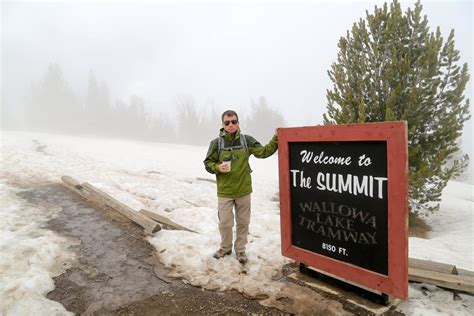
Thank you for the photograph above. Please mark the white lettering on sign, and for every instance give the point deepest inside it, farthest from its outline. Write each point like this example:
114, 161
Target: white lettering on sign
304, 182
366, 185
308, 156
353, 184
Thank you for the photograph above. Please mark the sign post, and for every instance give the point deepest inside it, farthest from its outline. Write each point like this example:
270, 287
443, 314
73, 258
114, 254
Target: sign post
343, 202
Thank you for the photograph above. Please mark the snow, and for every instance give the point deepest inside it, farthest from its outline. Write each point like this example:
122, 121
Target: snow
29, 256
451, 240
167, 179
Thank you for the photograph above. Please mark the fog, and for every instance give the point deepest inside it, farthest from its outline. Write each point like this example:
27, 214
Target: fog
180, 63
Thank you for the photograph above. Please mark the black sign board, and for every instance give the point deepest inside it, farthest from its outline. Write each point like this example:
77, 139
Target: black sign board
344, 202
339, 203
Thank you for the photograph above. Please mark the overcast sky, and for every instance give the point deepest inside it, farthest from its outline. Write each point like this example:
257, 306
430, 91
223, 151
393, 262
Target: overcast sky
222, 53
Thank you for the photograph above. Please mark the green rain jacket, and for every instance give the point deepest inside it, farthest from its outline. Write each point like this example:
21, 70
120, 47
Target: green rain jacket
237, 182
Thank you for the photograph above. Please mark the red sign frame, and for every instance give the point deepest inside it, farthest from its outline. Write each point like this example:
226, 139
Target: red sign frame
395, 135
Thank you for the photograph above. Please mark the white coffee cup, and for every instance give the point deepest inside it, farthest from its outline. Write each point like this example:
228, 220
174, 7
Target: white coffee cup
227, 163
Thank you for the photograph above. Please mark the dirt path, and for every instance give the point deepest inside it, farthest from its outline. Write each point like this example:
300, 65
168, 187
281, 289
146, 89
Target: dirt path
117, 272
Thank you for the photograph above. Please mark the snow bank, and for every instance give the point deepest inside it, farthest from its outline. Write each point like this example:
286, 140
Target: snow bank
451, 238
29, 257
163, 178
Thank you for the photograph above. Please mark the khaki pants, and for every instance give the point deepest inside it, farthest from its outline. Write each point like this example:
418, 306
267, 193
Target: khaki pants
226, 221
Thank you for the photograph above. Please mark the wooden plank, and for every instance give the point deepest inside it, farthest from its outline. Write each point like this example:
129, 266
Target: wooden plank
466, 273
450, 281
100, 196
432, 266
71, 182
76, 187
165, 221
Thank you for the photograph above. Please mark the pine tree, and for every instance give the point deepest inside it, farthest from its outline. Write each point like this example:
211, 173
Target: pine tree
263, 120
98, 106
92, 105
391, 67
136, 117
53, 105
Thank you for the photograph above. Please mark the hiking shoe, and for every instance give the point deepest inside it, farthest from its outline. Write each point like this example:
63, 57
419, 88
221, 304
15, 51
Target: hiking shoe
221, 253
242, 257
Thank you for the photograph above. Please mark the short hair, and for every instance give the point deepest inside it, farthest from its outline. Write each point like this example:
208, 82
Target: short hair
229, 113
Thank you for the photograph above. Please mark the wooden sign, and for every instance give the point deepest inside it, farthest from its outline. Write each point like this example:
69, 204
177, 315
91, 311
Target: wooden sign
343, 201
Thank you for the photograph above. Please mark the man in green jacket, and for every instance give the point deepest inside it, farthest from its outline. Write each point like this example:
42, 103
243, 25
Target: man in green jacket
228, 159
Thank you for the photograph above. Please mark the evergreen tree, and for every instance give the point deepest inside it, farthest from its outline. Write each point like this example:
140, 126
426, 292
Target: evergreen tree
104, 106
92, 104
120, 120
98, 106
136, 117
189, 122
391, 67
210, 123
53, 105
262, 121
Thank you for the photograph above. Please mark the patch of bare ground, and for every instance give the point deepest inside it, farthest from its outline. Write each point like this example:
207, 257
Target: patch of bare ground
418, 227
117, 272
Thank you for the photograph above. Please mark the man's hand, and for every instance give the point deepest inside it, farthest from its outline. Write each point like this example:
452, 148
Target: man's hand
223, 167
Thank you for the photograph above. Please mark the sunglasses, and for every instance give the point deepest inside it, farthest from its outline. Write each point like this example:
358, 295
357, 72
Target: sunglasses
234, 122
